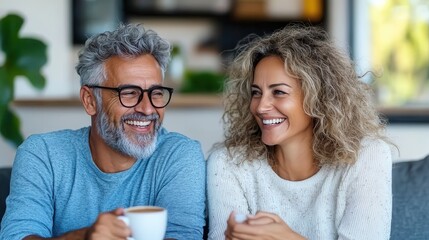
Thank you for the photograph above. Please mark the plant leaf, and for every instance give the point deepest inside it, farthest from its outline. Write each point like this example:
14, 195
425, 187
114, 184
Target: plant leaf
36, 79
10, 128
23, 57
6, 90
9, 29
6, 94
30, 54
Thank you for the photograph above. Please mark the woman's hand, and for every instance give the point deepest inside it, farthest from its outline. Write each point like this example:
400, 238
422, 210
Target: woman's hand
263, 225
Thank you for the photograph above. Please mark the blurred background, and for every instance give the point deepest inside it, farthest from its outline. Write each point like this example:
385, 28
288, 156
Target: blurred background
388, 37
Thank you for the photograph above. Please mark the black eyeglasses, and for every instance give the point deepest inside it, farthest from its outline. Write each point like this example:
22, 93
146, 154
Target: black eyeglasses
130, 96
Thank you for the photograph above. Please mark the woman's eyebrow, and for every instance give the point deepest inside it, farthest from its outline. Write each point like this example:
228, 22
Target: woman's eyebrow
280, 84
273, 85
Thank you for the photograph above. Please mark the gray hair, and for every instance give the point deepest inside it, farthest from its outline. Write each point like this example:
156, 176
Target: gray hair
129, 40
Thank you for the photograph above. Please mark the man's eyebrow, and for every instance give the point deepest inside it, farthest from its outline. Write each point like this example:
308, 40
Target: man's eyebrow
127, 85
132, 85
155, 85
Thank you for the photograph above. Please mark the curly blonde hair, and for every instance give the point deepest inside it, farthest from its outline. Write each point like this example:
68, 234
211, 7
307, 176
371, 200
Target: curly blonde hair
340, 104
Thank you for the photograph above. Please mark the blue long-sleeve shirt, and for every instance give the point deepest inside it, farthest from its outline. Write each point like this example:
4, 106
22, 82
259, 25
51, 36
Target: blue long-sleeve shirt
56, 187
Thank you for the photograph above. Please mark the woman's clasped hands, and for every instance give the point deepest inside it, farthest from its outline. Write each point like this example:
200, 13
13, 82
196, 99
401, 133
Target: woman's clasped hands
262, 225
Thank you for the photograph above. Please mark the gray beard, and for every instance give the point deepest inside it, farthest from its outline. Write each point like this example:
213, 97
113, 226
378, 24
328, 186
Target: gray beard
142, 146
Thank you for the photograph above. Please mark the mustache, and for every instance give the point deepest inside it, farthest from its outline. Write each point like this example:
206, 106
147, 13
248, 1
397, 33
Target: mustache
140, 117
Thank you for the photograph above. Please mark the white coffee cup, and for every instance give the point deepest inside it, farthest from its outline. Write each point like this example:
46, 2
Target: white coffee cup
146, 222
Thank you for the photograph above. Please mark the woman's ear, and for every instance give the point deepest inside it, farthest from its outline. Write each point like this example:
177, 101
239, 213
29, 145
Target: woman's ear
88, 100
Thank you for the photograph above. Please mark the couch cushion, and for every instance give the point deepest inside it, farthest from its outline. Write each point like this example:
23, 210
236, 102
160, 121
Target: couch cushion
4, 188
410, 186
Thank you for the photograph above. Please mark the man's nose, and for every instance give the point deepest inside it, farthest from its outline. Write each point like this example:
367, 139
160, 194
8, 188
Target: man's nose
145, 106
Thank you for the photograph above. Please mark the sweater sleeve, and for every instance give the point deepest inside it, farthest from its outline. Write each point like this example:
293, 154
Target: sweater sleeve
225, 193
30, 202
368, 209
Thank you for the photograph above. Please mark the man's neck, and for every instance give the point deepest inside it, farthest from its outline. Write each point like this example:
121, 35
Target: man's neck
107, 159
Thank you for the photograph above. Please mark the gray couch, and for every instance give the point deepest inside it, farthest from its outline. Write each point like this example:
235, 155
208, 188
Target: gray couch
410, 218
410, 186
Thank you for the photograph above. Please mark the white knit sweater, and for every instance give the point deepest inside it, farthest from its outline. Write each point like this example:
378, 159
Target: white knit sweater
343, 202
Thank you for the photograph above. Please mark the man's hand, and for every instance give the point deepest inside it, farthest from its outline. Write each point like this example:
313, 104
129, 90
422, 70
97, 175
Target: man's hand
108, 226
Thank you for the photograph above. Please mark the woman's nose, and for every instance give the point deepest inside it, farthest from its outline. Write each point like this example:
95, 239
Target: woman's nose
264, 104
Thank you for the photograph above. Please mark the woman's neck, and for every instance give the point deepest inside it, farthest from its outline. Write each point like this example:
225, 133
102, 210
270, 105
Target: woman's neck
295, 162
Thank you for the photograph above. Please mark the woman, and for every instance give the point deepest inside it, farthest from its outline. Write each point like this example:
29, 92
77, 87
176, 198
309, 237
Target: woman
304, 155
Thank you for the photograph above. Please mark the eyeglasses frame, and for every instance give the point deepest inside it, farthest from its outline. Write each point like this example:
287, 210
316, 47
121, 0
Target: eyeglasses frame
149, 91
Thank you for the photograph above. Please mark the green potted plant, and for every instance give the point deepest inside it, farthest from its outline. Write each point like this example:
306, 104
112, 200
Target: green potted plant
20, 56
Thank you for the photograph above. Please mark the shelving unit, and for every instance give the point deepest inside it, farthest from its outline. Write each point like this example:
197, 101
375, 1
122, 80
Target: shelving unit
241, 18
235, 23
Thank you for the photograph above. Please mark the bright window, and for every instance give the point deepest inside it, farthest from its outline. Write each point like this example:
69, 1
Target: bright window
391, 39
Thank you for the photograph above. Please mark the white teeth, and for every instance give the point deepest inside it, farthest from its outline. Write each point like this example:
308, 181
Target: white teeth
138, 123
273, 121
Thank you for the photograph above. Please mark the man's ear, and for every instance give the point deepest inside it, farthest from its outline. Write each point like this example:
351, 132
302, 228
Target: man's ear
88, 100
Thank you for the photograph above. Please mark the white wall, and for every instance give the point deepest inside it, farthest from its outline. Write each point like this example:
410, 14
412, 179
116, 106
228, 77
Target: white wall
411, 139
50, 20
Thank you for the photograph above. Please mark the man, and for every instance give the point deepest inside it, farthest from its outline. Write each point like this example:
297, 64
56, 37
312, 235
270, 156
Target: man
73, 184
